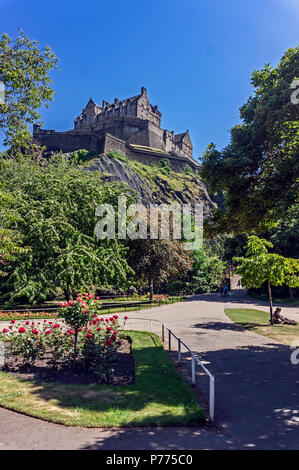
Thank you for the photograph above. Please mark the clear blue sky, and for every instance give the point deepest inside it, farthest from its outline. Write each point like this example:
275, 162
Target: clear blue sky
195, 57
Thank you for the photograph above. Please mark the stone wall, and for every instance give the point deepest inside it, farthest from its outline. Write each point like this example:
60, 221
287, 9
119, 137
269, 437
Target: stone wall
67, 141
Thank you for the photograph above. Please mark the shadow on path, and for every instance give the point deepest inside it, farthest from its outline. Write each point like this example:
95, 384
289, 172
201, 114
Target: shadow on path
257, 394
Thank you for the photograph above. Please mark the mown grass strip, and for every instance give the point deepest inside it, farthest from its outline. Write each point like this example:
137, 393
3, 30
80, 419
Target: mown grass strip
159, 396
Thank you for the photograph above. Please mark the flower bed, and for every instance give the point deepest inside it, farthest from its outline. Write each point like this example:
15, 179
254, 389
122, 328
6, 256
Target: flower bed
82, 341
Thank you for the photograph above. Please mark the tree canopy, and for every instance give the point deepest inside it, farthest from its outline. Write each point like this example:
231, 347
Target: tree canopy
55, 202
24, 71
258, 171
260, 266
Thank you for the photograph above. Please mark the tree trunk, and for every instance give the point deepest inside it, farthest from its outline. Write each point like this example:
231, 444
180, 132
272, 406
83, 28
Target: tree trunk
75, 345
270, 302
151, 289
67, 294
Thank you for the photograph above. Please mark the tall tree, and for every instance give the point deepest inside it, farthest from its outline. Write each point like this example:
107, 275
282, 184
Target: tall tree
157, 261
258, 170
24, 72
56, 203
260, 266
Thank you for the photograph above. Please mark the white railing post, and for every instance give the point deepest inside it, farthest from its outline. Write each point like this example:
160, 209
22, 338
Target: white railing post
193, 369
179, 350
150, 325
169, 340
212, 399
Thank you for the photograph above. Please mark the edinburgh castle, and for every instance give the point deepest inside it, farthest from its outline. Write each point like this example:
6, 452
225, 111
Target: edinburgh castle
130, 126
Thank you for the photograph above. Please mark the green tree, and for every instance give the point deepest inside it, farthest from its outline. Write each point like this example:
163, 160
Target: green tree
260, 266
258, 170
207, 271
56, 201
157, 261
24, 71
10, 238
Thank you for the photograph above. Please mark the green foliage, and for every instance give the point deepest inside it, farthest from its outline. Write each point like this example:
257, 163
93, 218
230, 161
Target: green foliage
260, 266
55, 202
95, 347
10, 239
157, 261
258, 171
188, 170
165, 165
24, 70
207, 271
81, 156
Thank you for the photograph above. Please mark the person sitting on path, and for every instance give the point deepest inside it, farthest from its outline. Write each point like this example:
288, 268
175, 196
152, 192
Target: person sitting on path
278, 319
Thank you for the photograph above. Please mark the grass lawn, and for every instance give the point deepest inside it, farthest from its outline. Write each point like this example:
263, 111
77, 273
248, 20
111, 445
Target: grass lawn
159, 396
258, 322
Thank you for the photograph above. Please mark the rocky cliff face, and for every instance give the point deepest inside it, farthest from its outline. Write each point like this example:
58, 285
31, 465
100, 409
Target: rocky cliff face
153, 185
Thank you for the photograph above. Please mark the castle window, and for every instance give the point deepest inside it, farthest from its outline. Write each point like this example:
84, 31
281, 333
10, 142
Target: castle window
106, 113
128, 106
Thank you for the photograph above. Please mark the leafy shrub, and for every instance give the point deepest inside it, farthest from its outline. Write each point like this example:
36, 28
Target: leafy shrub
165, 165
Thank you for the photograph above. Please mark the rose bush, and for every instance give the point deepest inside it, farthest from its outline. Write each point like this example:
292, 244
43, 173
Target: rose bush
82, 339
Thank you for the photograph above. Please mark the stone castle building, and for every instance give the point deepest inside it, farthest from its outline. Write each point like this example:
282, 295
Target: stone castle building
130, 126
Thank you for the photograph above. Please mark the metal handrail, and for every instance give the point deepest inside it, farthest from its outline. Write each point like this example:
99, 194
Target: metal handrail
194, 360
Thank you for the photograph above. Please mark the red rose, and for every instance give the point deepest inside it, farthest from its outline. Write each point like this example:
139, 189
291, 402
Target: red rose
113, 338
97, 298
10, 326
22, 330
88, 335
27, 322
56, 325
48, 332
115, 316
108, 343
13, 321
99, 329
5, 330
35, 332
126, 318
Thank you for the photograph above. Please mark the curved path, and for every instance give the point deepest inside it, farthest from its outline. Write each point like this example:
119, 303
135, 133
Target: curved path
257, 389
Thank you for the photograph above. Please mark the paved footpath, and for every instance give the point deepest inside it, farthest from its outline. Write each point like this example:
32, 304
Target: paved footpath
257, 389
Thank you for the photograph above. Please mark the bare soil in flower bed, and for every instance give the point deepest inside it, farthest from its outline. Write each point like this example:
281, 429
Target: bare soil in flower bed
124, 369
